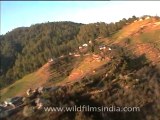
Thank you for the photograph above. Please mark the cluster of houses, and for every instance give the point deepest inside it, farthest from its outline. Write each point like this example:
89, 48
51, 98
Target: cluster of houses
141, 19
104, 47
83, 48
10, 106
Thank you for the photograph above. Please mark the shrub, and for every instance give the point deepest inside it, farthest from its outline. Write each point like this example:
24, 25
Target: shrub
28, 111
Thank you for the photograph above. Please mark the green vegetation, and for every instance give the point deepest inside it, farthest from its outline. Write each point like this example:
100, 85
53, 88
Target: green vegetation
26, 49
126, 84
36, 45
62, 69
115, 77
19, 86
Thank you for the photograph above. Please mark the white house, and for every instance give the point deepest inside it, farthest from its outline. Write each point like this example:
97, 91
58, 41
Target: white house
135, 21
103, 47
50, 60
80, 47
147, 18
70, 53
90, 42
85, 45
109, 49
62, 56
29, 91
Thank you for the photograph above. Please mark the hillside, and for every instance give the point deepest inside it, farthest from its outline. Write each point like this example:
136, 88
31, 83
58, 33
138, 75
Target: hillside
25, 49
120, 68
50, 73
141, 37
33, 80
118, 83
86, 67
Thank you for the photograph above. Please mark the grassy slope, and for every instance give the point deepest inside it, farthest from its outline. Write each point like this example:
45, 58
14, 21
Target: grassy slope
144, 38
86, 67
128, 30
19, 86
32, 80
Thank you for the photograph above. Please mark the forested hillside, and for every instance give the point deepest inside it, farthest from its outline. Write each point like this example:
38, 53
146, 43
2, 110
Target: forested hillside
25, 49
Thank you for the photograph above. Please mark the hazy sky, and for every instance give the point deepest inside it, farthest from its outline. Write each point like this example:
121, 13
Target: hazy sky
26, 13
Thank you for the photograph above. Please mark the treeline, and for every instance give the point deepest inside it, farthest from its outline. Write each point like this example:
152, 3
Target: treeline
25, 49
101, 29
